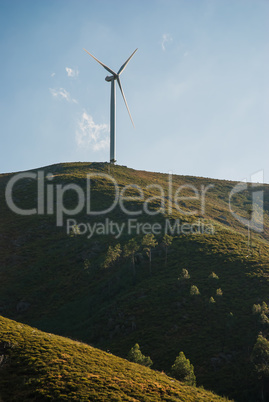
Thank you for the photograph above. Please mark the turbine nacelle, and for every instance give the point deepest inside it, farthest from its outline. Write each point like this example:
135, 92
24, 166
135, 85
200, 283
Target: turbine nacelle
110, 78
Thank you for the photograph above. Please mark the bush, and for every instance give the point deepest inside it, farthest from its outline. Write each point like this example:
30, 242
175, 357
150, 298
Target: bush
183, 370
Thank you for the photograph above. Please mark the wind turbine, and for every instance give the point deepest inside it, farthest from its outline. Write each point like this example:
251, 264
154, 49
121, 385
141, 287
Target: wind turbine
113, 78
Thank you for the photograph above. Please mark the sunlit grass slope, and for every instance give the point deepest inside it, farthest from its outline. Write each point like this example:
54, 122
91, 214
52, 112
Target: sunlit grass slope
38, 366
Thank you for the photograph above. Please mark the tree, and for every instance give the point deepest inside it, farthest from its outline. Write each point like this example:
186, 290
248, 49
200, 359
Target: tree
135, 355
259, 309
167, 241
183, 277
149, 242
74, 231
256, 309
194, 291
183, 370
87, 265
230, 321
185, 274
263, 319
260, 359
212, 300
264, 308
219, 292
262, 312
113, 254
129, 251
213, 276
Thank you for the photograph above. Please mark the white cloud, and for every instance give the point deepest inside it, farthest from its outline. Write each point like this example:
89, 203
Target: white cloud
90, 134
61, 93
71, 72
166, 38
53, 74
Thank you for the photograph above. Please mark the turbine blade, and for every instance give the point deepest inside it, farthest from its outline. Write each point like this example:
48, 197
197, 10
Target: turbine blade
118, 79
125, 64
102, 64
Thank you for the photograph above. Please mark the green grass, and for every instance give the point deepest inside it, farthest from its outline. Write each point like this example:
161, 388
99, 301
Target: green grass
43, 367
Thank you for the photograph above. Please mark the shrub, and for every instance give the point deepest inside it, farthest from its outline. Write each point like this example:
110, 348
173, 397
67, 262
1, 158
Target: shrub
219, 292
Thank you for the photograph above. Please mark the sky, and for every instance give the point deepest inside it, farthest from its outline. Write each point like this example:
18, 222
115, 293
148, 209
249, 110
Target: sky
197, 88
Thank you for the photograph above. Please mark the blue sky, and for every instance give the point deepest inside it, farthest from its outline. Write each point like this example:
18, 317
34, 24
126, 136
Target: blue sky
197, 88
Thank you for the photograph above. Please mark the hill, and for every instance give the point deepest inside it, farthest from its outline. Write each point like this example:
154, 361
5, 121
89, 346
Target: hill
58, 282
37, 366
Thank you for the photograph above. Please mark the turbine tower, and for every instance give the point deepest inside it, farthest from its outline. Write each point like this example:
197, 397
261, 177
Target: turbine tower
113, 78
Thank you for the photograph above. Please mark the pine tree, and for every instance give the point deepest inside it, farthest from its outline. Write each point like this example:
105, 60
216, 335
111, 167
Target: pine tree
260, 359
212, 300
256, 309
113, 254
185, 274
219, 292
167, 241
194, 291
149, 242
262, 313
135, 355
74, 231
183, 370
213, 276
129, 251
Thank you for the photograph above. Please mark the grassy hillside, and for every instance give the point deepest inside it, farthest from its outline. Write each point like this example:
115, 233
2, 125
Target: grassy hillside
38, 366
57, 283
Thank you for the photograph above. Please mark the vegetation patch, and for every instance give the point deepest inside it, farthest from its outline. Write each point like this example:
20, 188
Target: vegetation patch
37, 366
